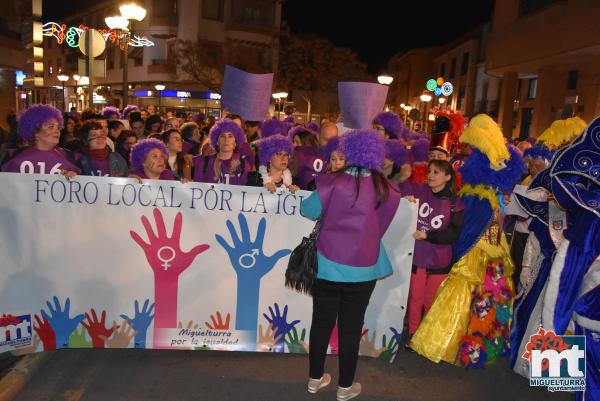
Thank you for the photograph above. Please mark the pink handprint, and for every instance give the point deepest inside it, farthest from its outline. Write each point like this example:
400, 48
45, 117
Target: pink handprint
168, 261
334, 341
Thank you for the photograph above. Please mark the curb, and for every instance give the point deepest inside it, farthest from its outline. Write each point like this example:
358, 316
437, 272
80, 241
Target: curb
12, 383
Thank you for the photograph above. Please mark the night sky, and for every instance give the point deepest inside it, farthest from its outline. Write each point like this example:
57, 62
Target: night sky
376, 31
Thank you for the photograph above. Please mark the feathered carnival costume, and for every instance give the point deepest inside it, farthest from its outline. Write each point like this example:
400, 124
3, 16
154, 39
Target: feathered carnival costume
546, 234
467, 323
571, 299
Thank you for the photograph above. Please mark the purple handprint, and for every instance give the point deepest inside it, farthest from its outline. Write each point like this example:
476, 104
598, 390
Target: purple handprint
140, 322
60, 321
280, 323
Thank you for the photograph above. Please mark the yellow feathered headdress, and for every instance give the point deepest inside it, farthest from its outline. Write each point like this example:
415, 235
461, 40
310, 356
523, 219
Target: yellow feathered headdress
484, 134
562, 132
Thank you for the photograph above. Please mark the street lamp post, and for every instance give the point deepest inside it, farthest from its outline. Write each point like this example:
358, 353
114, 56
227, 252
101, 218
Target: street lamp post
442, 100
130, 13
425, 98
63, 78
159, 88
385, 79
279, 99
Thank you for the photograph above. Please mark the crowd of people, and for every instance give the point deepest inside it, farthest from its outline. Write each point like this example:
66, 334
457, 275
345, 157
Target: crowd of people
483, 249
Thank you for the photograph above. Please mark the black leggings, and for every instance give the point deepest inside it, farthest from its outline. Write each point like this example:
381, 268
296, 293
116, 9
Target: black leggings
346, 302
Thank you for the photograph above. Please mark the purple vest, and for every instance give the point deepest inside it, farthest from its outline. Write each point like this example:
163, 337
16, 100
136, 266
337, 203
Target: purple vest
186, 148
309, 164
34, 161
165, 175
351, 231
433, 215
204, 171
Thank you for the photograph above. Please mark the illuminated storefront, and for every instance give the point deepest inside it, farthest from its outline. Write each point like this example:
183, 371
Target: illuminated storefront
177, 100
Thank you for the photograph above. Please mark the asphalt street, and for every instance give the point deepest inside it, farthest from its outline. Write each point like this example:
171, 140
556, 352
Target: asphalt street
94, 374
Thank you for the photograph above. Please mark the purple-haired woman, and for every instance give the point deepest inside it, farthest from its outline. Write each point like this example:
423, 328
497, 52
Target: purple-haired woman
39, 126
111, 113
227, 165
390, 125
275, 153
356, 205
148, 160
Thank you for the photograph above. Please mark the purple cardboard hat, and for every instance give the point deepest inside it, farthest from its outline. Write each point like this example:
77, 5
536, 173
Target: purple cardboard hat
245, 94
360, 102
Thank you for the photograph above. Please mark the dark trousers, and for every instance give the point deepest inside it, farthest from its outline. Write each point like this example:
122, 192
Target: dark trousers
517, 249
346, 303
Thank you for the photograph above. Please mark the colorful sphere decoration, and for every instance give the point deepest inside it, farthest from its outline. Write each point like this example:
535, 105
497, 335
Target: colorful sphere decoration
447, 89
431, 85
439, 87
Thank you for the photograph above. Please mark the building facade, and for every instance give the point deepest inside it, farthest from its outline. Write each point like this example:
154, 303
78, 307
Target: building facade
547, 54
243, 33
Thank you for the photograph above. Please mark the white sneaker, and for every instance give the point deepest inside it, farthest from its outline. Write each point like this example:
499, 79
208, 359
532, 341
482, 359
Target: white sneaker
315, 385
344, 394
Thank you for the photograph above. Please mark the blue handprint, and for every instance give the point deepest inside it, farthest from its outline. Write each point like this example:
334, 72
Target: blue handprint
140, 322
279, 322
60, 321
250, 265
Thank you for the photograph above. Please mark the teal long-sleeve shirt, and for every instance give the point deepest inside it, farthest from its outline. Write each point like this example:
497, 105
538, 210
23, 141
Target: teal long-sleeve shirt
329, 270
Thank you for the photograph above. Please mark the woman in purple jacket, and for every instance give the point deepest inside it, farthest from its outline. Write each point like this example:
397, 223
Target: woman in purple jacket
228, 165
356, 205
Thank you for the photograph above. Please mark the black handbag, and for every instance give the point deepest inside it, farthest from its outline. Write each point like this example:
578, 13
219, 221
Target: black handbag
301, 272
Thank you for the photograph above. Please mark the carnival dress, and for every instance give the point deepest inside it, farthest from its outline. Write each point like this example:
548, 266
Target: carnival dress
441, 332
471, 310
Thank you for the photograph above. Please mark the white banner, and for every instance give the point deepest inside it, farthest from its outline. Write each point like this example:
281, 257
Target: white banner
108, 262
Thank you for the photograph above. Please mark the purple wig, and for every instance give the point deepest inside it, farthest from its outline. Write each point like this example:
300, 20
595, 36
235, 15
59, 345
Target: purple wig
333, 145
415, 136
531, 140
267, 147
31, 120
140, 151
396, 151
128, 109
539, 151
392, 124
420, 150
313, 126
364, 148
272, 127
110, 111
226, 125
